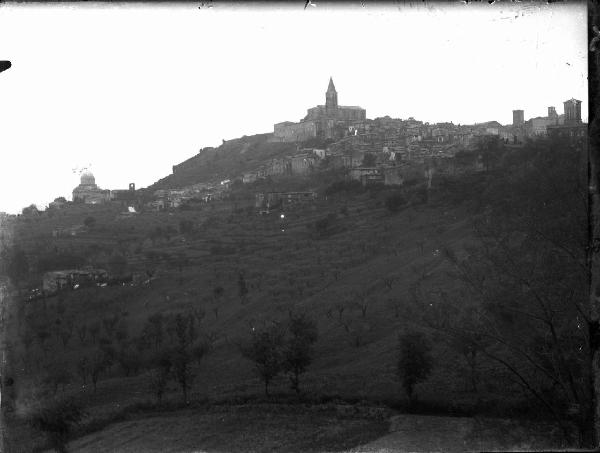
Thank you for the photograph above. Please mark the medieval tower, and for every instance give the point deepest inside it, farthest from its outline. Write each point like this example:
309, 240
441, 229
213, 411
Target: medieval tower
331, 102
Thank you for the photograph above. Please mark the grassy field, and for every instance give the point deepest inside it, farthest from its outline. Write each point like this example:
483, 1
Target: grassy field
237, 429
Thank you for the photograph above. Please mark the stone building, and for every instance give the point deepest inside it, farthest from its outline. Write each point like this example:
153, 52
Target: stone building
569, 125
518, 117
88, 192
302, 164
537, 127
571, 131
124, 196
270, 200
572, 111
324, 121
55, 280
295, 132
558, 124
249, 177
331, 109
366, 174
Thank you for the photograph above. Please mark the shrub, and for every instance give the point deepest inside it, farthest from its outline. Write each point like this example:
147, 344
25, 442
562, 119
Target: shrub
395, 202
129, 361
57, 419
298, 352
57, 374
326, 226
344, 186
89, 222
414, 361
153, 331
160, 370
182, 370
419, 196
99, 362
186, 226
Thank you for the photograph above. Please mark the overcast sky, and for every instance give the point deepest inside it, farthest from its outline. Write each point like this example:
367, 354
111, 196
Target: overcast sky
132, 90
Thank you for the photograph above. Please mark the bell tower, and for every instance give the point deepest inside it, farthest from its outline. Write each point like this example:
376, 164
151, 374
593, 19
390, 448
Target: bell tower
331, 102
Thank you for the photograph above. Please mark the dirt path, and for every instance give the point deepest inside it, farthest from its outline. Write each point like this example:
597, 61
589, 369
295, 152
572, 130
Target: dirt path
248, 429
422, 433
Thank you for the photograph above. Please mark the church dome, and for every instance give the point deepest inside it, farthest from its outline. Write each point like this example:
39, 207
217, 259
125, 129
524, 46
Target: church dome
87, 178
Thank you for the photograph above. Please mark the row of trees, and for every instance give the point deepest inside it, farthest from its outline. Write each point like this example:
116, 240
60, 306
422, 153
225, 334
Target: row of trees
288, 348
279, 348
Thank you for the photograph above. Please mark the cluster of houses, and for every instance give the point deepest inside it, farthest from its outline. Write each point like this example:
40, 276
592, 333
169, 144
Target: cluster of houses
382, 150
300, 164
385, 150
57, 281
54, 281
567, 124
264, 202
173, 198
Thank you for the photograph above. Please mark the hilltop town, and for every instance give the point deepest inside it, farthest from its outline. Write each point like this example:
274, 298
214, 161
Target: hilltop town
381, 150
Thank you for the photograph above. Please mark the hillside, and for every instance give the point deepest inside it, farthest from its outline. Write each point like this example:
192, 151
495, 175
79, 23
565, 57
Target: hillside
295, 269
230, 160
367, 264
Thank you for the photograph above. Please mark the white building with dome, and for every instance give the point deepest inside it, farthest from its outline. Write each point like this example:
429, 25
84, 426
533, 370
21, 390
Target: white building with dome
88, 192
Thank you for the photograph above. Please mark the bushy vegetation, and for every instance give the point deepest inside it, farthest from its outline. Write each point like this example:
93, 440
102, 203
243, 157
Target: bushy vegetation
395, 202
414, 361
276, 348
344, 188
57, 418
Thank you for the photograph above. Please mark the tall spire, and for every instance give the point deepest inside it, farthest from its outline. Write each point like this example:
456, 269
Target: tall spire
331, 86
331, 103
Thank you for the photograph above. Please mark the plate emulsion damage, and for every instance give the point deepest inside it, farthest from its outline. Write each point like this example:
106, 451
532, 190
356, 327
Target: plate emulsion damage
4, 65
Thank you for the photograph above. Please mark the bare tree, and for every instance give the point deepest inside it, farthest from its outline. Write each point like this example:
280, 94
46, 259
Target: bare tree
67, 332
83, 369
389, 281
109, 323
265, 349
298, 350
129, 360
27, 339
94, 330
160, 371
421, 245
340, 307
396, 304
82, 333
154, 329
99, 362
199, 313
